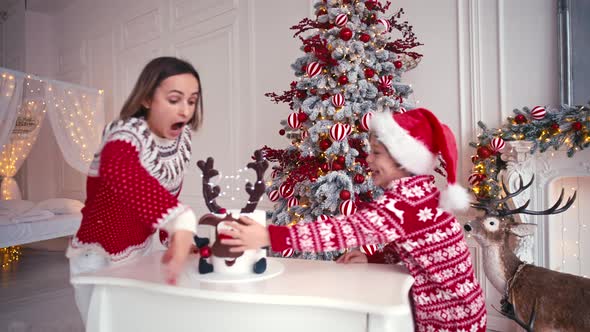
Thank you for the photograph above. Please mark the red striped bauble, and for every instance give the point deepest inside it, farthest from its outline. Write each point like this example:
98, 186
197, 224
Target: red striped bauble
274, 195
304, 134
476, 178
385, 23
338, 132
287, 252
369, 249
497, 144
338, 100
366, 121
538, 112
341, 20
286, 190
385, 81
293, 121
323, 217
402, 110
347, 207
348, 128
293, 201
313, 68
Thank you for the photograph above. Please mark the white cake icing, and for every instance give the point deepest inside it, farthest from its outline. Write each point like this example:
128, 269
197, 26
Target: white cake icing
244, 264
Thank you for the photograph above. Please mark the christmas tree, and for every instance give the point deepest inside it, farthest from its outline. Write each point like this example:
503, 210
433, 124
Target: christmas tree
351, 67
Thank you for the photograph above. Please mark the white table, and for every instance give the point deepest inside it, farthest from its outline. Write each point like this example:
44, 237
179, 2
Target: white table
308, 296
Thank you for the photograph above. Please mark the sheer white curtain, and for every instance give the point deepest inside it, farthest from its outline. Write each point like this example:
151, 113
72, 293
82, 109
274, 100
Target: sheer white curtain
76, 115
77, 119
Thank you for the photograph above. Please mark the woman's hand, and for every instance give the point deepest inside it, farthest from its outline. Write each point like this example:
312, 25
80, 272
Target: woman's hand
252, 235
352, 257
176, 255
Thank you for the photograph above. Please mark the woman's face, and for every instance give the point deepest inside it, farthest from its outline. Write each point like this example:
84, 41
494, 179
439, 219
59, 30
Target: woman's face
173, 105
384, 168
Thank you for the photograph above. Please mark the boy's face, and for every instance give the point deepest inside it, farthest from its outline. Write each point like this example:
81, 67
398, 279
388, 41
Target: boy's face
172, 105
385, 168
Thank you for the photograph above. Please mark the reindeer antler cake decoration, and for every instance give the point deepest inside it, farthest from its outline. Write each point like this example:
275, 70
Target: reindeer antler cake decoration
209, 192
257, 190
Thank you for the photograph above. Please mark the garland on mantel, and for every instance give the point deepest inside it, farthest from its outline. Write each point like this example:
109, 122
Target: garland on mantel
567, 126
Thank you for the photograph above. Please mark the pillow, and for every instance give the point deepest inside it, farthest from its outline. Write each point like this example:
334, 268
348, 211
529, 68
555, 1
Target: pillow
15, 206
60, 205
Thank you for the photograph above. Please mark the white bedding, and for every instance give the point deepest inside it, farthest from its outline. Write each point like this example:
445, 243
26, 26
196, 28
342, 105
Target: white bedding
12, 234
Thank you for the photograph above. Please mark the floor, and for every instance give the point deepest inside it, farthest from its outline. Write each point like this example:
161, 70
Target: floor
36, 294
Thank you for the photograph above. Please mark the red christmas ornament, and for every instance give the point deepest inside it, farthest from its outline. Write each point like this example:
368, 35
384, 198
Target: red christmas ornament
325, 144
321, 11
273, 195
554, 127
359, 178
484, 152
345, 34
313, 68
302, 116
313, 91
476, 178
497, 144
282, 132
337, 167
293, 120
369, 72
342, 79
577, 126
205, 252
325, 167
301, 94
347, 207
520, 119
344, 195
341, 20
307, 48
364, 37
398, 64
287, 252
341, 160
325, 96
286, 190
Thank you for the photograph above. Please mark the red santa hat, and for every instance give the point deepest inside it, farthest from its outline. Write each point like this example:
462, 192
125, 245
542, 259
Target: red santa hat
415, 139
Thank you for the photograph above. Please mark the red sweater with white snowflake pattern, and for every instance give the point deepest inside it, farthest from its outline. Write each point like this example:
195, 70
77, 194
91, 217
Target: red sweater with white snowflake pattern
428, 240
132, 189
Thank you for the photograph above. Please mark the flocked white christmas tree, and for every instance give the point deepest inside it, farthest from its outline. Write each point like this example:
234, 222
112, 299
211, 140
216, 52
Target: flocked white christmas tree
354, 57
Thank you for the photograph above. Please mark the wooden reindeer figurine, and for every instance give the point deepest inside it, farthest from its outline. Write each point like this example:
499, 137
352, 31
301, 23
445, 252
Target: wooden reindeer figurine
223, 259
538, 299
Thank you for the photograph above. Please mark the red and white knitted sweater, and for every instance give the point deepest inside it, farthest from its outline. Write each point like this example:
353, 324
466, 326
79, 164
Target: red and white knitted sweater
428, 240
132, 189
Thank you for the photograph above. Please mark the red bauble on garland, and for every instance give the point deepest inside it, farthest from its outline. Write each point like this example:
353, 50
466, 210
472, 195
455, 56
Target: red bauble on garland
337, 166
344, 195
301, 94
370, 4
369, 72
398, 64
365, 37
554, 127
343, 79
484, 152
577, 126
345, 34
282, 132
307, 48
341, 160
520, 119
313, 91
325, 167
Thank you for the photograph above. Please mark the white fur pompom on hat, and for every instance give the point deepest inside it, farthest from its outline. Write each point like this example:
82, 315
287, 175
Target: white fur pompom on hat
415, 139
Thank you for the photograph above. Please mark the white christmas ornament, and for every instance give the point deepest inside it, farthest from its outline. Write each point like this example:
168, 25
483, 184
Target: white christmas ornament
293, 121
313, 68
347, 207
538, 113
341, 20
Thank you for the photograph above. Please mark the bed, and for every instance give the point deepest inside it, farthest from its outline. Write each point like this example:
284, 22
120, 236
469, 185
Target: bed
21, 222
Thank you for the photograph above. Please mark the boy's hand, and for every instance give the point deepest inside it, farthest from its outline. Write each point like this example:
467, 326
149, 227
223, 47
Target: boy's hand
252, 235
176, 255
355, 256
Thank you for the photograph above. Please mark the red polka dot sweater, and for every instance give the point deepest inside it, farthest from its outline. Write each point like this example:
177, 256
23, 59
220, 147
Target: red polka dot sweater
429, 241
132, 189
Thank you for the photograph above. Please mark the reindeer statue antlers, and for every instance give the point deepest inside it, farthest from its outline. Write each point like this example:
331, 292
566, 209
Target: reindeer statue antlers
255, 191
498, 207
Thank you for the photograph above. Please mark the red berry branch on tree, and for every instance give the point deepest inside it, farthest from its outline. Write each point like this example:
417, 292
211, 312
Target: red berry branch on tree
408, 40
319, 46
304, 25
286, 97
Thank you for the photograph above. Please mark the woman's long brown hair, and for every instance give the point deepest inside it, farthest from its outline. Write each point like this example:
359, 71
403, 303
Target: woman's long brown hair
150, 78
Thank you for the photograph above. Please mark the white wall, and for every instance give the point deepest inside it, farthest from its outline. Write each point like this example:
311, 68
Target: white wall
481, 60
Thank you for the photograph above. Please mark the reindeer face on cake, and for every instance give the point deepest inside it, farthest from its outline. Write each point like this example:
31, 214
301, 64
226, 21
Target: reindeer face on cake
218, 258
